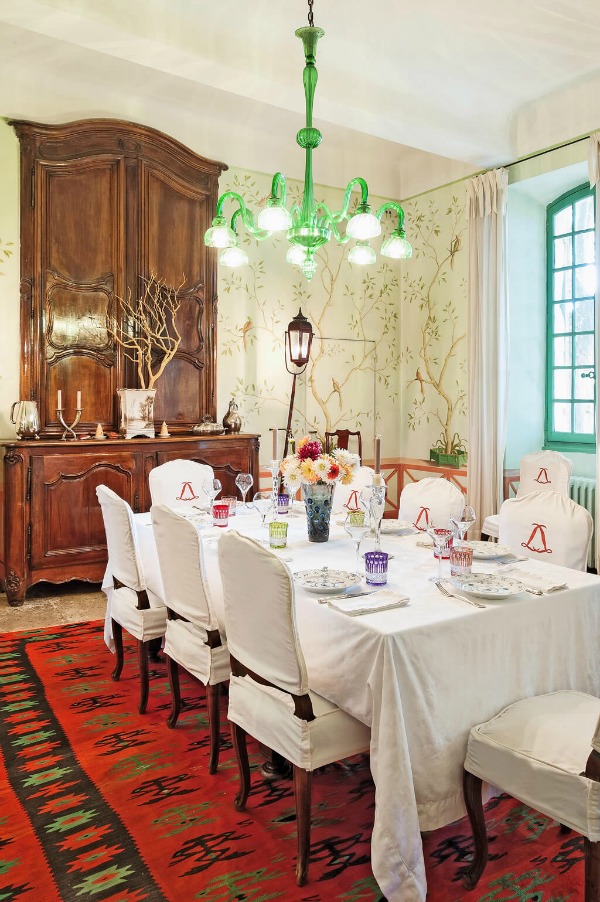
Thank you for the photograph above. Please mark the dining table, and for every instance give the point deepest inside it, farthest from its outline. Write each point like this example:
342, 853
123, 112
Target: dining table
421, 674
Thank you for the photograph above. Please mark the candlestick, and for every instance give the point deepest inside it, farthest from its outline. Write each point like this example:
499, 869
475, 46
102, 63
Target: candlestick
275, 449
59, 400
78, 400
69, 432
378, 454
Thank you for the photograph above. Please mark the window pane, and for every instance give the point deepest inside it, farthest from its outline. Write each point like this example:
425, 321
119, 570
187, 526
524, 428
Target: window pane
584, 213
563, 221
562, 417
563, 251
563, 318
563, 351
584, 386
585, 281
563, 285
585, 251
562, 385
584, 350
584, 419
584, 316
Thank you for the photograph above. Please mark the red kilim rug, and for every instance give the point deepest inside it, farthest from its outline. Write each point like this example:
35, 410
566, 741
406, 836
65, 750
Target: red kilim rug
100, 803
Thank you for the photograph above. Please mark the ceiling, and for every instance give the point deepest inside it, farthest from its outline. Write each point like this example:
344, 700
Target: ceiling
478, 81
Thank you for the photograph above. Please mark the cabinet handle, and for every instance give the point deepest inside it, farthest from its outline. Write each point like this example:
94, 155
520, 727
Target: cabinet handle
136, 503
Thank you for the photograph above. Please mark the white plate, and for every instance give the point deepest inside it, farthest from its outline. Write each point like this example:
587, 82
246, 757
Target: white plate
487, 551
325, 580
488, 585
396, 527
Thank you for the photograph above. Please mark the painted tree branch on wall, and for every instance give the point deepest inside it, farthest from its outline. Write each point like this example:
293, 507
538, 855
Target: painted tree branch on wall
440, 395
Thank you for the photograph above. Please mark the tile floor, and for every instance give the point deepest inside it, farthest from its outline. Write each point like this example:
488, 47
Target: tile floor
49, 605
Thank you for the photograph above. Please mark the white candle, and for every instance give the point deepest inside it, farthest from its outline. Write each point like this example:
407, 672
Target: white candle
274, 431
59, 400
78, 400
377, 453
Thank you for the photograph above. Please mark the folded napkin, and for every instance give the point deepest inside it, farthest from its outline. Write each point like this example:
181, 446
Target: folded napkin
382, 601
509, 558
425, 543
534, 580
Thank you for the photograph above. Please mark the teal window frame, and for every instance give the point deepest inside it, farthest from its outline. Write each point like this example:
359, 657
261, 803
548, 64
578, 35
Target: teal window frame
557, 440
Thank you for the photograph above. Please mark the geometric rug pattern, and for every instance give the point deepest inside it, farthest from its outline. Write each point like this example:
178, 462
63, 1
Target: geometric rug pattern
100, 803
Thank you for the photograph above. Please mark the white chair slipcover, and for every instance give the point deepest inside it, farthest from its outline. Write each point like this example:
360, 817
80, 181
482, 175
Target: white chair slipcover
542, 471
178, 484
192, 638
537, 750
136, 603
345, 493
430, 500
269, 695
547, 526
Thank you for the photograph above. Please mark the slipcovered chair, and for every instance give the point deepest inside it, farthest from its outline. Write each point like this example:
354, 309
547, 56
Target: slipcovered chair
542, 471
430, 500
269, 695
346, 496
135, 603
192, 639
178, 484
548, 527
341, 438
544, 751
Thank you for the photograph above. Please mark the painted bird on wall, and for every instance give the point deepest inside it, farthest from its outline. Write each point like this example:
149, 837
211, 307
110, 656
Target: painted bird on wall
337, 390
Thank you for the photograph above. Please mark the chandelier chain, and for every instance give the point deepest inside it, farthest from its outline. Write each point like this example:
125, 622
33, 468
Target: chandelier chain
311, 20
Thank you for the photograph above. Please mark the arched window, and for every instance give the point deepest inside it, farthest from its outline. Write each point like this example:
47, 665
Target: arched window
571, 285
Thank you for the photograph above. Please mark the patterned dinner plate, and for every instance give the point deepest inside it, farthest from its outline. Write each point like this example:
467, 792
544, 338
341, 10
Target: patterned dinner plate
487, 551
396, 527
326, 580
488, 585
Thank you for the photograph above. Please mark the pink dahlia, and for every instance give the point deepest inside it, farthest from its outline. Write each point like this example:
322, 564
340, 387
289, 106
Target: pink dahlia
309, 451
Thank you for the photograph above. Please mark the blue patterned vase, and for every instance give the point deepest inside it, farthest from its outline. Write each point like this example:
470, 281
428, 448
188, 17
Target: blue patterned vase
318, 499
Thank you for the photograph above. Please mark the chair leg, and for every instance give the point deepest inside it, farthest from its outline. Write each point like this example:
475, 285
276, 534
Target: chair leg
302, 795
173, 672
117, 631
592, 870
474, 803
238, 736
144, 679
214, 726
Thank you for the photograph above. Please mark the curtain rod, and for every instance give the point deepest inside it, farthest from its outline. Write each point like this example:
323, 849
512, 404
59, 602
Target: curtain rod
532, 156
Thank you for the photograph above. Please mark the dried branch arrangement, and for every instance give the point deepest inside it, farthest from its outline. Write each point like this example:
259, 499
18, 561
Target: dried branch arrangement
148, 330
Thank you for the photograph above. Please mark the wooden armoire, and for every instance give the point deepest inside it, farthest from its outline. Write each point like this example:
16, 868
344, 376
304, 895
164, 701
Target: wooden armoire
105, 204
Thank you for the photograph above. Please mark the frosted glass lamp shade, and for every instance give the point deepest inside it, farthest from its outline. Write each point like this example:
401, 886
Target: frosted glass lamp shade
274, 218
296, 255
363, 226
397, 247
219, 234
361, 254
233, 257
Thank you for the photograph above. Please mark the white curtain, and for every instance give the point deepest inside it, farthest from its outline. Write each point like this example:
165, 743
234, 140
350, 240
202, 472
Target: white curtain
594, 167
487, 340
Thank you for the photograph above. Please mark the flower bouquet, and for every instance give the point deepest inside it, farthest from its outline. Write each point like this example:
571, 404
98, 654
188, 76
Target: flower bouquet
317, 473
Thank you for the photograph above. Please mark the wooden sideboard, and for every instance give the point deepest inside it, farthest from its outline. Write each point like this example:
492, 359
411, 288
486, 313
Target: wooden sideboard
53, 526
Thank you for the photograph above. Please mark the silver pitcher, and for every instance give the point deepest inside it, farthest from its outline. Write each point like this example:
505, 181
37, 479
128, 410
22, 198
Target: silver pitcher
27, 419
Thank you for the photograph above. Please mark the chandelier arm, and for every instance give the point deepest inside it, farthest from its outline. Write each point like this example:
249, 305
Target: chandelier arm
243, 211
364, 199
391, 205
279, 187
330, 220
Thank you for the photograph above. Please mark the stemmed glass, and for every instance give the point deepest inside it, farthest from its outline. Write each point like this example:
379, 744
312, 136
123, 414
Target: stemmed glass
211, 487
357, 524
263, 502
441, 537
372, 498
244, 482
463, 522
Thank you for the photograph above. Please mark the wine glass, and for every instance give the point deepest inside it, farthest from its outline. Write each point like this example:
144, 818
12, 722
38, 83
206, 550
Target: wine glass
372, 498
244, 482
263, 502
357, 524
211, 487
441, 538
462, 522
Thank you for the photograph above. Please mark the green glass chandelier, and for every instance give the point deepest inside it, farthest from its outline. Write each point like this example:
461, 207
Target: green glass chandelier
310, 225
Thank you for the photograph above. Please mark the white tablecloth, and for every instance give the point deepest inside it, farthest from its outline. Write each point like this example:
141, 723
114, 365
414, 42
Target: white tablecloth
421, 676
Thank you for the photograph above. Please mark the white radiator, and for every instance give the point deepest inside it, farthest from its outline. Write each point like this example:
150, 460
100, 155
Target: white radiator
583, 491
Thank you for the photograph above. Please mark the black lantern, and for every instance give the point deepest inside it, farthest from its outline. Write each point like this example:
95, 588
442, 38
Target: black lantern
298, 340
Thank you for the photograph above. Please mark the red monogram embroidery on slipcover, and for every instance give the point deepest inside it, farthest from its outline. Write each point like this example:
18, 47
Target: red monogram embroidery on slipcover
539, 530
542, 477
423, 515
352, 502
187, 493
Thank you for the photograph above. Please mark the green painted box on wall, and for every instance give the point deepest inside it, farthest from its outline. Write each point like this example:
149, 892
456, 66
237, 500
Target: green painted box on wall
447, 460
